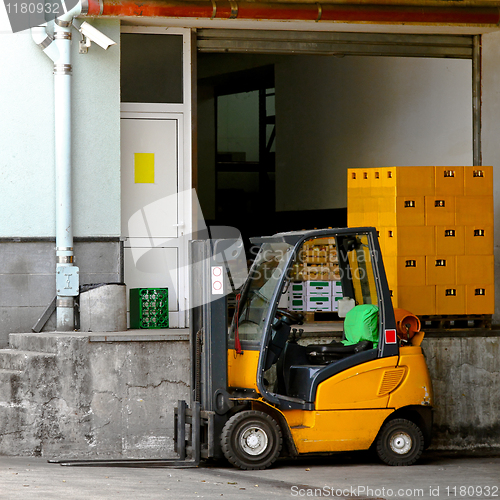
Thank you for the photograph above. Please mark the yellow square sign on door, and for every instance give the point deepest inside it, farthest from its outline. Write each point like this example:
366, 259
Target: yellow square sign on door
144, 168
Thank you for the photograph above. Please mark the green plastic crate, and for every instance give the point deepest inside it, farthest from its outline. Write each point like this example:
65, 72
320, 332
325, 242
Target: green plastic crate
149, 308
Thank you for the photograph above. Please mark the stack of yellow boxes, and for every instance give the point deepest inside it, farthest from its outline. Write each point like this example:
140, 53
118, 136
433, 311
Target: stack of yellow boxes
435, 228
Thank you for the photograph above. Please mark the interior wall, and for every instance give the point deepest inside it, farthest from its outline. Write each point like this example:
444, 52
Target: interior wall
338, 113
205, 188
238, 124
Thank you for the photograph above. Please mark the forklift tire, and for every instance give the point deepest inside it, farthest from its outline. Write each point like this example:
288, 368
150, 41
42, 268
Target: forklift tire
400, 442
251, 440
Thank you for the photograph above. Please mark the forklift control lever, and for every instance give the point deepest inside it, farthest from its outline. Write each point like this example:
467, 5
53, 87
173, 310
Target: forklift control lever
293, 318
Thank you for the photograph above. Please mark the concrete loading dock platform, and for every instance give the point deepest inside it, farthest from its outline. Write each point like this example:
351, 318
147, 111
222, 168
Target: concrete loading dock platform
102, 395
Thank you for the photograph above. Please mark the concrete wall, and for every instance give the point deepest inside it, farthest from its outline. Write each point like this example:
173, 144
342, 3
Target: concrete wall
27, 136
333, 114
490, 111
28, 283
81, 395
466, 380
63, 396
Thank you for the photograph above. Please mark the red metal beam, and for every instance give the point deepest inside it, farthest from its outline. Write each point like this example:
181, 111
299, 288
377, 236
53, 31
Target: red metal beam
223, 9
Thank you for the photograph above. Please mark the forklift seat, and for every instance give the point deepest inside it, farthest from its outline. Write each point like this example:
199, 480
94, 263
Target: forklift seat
304, 379
298, 377
324, 354
301, 369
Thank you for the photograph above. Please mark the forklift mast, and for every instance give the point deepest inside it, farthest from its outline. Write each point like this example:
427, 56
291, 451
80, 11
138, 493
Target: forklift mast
211, 281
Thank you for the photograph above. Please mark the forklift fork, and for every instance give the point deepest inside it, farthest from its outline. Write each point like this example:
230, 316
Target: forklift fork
200, 443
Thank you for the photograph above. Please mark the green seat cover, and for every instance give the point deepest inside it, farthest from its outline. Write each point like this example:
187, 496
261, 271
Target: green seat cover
361, 323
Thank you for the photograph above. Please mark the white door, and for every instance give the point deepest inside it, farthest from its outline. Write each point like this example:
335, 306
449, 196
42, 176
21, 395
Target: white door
150, 160
156, 162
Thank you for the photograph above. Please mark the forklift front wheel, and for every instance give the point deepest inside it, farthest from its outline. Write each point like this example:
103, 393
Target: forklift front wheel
251, 440
400, 442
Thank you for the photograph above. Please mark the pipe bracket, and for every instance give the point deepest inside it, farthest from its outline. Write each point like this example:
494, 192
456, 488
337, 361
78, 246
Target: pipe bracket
46, 42
320, 12
214, 9
62, 69
69, 303
62, 35
234, 9
85, 7
64, 259
62, 24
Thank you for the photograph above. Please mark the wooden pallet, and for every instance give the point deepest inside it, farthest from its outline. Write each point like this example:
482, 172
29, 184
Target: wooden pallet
458, 321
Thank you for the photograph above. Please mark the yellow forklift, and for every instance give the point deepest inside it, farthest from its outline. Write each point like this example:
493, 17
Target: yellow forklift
262, 389
279, 394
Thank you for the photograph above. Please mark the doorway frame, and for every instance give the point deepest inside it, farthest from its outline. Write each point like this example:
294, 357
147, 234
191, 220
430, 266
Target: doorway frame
183, 113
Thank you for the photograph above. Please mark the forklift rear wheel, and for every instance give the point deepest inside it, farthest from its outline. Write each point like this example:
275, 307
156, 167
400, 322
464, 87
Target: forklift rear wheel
400, 442
251, 440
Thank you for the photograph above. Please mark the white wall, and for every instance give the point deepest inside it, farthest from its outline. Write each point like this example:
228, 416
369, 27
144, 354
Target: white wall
333, 114
490, 137
27, 207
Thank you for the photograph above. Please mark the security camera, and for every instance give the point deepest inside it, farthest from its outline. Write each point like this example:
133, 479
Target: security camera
93, 34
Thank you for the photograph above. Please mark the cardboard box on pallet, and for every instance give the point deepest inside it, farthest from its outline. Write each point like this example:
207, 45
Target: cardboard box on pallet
297, 288
337, 288
318, 287
297, 304
318, 303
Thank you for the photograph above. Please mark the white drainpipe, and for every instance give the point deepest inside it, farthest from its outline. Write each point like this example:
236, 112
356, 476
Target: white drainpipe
58, 49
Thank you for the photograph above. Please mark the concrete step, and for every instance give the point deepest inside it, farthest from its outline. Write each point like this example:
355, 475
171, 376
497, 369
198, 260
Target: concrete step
39, 342
13, 359
10, 385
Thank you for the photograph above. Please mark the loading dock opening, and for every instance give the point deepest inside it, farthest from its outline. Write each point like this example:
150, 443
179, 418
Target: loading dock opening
404, 100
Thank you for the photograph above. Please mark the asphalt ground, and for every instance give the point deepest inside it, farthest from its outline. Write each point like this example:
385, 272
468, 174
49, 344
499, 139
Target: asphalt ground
344, 476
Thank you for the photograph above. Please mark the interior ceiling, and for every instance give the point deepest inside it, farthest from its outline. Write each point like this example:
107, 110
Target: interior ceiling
241, 81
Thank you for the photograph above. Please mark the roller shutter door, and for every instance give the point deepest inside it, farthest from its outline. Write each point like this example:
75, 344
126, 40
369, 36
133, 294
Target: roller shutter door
335, 44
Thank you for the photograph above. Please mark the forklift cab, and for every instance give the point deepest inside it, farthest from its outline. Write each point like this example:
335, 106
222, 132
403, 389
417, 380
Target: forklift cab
289, 381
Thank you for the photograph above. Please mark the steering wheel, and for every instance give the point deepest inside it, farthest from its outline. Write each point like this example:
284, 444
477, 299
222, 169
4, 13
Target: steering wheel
294, 317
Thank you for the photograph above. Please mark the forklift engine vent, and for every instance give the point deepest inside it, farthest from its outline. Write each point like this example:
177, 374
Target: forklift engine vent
390, 380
